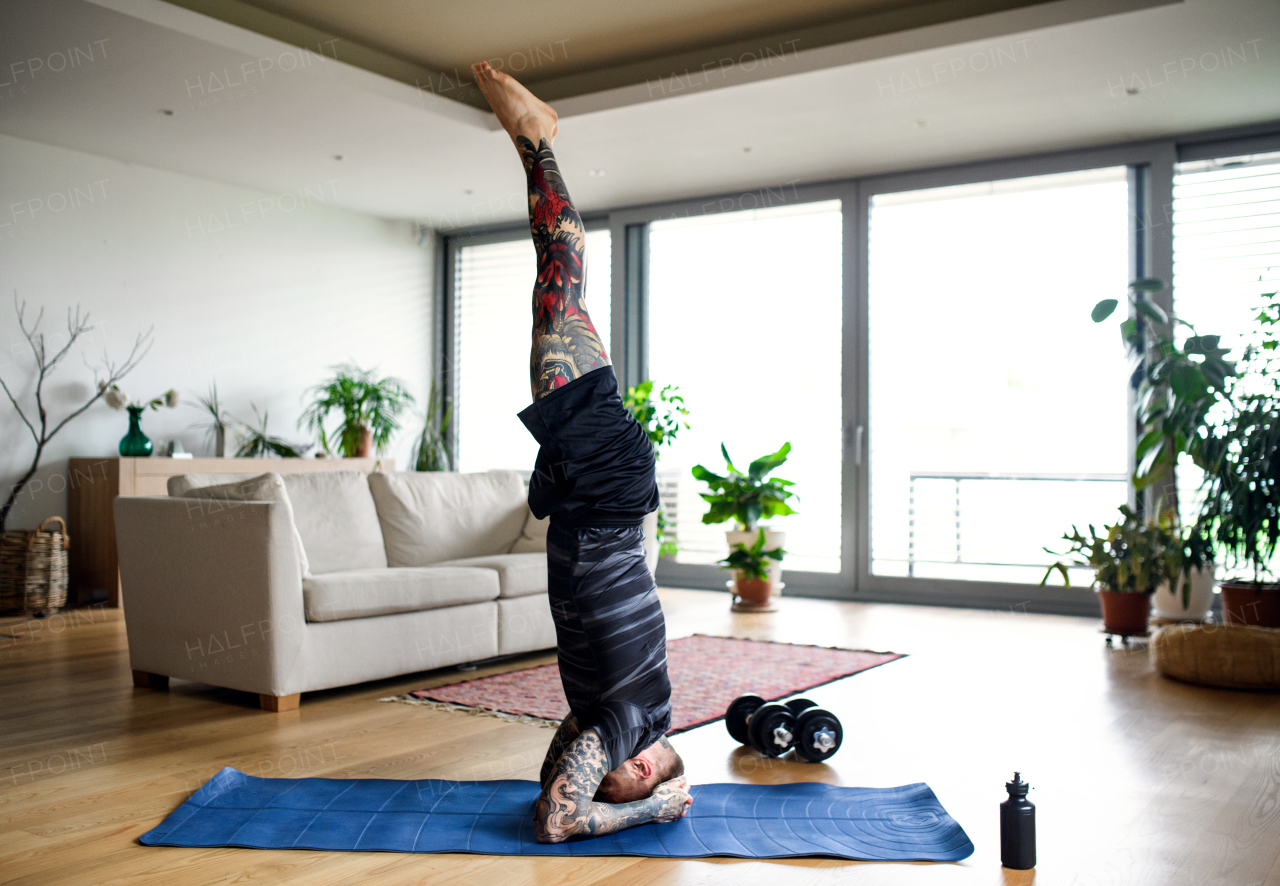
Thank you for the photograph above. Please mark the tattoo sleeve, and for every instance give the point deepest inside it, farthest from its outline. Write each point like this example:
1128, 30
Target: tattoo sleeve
564, 736
566, 808
565, 343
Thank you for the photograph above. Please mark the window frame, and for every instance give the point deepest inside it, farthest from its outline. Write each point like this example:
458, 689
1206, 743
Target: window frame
1151, 166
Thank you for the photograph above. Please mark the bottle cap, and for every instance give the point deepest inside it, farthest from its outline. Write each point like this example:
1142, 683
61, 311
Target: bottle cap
1017, 787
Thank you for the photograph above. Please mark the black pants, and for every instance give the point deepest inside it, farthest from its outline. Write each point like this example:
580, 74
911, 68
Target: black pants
611, 636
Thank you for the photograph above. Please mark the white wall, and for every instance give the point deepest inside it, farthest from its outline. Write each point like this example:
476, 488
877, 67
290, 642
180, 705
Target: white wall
260, 292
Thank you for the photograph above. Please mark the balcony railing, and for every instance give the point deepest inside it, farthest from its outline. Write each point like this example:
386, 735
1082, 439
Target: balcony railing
962, 477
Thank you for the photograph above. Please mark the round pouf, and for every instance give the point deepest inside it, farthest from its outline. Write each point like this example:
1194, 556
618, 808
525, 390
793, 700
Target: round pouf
1229, 656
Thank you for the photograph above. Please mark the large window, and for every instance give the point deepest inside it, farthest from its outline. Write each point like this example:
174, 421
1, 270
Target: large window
745, 316
997, 413
1226, 252
493, 295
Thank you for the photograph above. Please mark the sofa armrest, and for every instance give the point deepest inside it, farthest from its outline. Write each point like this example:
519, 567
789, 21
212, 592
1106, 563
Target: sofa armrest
212, 590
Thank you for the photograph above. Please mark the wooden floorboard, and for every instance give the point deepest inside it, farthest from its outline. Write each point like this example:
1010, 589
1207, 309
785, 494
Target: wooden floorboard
1137, 779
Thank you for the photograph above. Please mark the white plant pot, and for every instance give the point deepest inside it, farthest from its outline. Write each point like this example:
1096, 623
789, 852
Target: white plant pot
772, 539
650, 525
1166, 604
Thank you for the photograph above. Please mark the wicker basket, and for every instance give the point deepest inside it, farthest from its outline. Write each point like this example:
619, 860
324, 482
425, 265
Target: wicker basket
33, 569
1231, 656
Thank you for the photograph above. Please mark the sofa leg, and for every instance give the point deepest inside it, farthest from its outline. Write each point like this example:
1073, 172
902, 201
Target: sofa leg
278, 703
148, 680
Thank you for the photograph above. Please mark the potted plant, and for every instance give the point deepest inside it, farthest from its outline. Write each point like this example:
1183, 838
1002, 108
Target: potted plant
370, 408
1129, 561
258, 443
219, 421
1176, 385
661, 417
1241, 460
752, 581
431, 452
747, 498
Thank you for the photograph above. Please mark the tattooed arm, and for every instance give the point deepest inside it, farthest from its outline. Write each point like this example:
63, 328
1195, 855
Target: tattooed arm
564, 736
565, 343
566, 808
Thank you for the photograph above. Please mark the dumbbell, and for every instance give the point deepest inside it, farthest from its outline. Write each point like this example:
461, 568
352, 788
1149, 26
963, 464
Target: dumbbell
773, 728
766, 726
818, 733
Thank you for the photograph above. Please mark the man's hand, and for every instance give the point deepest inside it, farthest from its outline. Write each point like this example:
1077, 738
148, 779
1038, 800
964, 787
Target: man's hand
671, 799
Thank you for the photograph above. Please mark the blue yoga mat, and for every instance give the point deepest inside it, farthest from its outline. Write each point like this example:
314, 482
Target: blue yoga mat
496, 818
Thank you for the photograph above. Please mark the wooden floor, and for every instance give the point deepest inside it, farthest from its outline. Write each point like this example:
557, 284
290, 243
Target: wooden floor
1137, 779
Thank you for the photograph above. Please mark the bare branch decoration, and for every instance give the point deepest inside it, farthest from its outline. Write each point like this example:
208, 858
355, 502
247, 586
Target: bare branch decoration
78, 324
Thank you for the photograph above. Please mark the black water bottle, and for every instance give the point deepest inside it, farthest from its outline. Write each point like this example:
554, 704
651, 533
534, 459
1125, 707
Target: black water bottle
1018, 827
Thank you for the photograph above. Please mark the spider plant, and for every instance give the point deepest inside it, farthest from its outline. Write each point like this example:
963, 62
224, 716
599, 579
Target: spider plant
259, 444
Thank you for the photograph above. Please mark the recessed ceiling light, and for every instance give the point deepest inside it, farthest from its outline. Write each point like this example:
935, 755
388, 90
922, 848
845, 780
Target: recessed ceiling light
166, 112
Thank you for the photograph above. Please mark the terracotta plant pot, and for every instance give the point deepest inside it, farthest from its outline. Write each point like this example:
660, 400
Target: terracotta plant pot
753, 591
772, 539
365, 449
1125, 614
1245, 603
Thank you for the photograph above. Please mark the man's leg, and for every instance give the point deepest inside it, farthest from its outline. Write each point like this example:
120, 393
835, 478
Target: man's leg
565, 343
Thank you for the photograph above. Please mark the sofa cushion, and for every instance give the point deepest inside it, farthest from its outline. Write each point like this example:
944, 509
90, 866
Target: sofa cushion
336, 520
361, 593
533, 538
264, 487
181, 484
518, 574
430, 517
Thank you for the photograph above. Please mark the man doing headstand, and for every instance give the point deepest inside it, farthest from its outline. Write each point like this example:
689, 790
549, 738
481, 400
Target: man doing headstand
609, 766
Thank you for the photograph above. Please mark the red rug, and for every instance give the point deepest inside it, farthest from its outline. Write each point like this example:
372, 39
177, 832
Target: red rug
707, 673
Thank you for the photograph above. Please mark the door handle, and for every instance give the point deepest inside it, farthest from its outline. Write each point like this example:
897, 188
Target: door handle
857, 447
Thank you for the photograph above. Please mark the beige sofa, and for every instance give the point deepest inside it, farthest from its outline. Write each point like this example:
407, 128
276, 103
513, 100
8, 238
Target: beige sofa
335, 578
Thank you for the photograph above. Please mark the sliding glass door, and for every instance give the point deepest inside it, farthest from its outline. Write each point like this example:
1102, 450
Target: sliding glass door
744, 315
997, 410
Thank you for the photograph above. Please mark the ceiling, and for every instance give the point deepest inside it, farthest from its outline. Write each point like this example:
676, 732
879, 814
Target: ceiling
253, 109
563, 50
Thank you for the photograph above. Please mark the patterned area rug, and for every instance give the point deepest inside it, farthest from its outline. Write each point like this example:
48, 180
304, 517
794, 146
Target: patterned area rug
707, 673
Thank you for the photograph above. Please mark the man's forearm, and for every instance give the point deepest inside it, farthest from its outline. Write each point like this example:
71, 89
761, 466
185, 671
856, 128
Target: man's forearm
555, 825
564, 737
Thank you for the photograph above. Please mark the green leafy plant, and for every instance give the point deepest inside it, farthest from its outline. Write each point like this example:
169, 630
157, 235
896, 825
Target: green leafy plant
746, 498
431, 453
1177, 385
1241, 460
1134, 556
259, 444
365, 402
661, 418
753, 562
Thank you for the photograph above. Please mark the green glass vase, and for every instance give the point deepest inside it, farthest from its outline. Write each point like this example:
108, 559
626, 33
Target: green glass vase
135, 443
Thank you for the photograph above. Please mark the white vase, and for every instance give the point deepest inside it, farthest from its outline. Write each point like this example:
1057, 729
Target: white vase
1166, 603
772, 539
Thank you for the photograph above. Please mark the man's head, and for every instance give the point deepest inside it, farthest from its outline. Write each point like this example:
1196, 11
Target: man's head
636, 778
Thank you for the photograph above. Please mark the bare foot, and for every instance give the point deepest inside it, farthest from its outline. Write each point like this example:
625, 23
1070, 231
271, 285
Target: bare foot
518, 110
